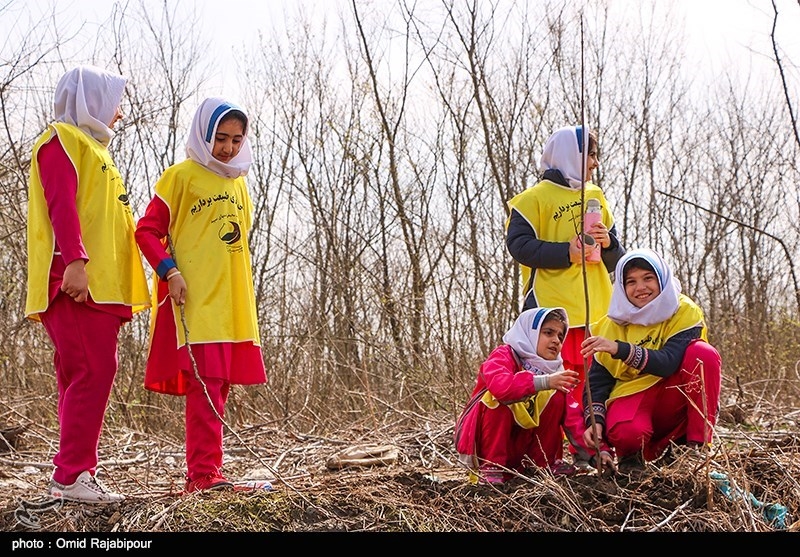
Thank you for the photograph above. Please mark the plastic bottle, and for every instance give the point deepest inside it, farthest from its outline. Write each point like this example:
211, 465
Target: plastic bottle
253, 485
592, 216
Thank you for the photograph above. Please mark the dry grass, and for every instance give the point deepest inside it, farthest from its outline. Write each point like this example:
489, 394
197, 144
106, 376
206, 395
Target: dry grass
424, 490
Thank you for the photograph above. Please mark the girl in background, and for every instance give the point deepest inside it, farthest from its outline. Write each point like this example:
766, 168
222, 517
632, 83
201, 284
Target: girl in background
542, 235
85, 274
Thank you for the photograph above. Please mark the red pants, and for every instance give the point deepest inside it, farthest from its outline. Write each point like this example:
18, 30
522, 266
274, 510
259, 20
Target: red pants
85, 361
499, 440
203, 427
671, 409
571, 353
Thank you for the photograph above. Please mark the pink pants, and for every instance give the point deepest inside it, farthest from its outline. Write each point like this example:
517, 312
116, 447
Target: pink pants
672, 409
203, 427
85, 361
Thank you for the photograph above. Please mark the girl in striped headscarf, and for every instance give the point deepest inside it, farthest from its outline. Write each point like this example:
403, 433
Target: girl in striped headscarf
521, 407
202, 205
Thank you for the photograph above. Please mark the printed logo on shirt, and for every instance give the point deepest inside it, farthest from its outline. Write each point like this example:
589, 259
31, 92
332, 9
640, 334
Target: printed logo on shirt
231, 234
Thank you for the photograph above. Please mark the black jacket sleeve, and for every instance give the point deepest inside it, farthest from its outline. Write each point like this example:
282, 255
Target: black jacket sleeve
528, 250
600, 384
614, 252
662, 362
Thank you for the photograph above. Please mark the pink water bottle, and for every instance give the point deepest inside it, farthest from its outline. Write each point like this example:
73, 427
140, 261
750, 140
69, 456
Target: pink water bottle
592, 216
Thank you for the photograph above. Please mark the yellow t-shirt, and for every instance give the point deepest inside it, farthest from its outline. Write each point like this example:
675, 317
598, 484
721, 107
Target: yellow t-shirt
526, 413
554, 213
210, 217
631, 380
115, 270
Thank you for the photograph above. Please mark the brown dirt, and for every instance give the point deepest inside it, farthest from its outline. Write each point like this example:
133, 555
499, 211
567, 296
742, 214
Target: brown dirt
423, 490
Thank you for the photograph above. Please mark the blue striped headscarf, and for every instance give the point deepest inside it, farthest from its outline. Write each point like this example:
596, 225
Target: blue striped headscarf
523, 338
200, 144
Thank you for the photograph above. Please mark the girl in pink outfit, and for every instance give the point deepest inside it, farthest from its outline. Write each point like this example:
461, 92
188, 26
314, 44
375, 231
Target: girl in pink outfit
203, 207
654, 377
85, 274
521, 405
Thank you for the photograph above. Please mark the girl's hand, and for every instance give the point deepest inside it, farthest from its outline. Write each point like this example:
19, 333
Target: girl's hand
177, 289
75, 282
599, 232
607, 463
575, 247
595, 344
563, 381
593, 437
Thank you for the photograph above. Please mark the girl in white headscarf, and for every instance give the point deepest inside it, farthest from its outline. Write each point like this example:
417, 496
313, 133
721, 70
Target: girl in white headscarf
85, 274
520, 407
543, 236
654, 378
202, 212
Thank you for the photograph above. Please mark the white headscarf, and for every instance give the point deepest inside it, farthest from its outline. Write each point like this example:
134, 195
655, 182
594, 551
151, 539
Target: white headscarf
88, 97
664, 306
523, 336
201, 139
563, 152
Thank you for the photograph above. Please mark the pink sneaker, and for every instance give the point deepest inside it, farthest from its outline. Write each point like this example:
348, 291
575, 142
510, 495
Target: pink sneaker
561, 468
491, 475
214, 480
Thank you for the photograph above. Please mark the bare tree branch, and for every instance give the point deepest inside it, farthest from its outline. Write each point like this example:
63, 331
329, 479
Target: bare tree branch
782, 73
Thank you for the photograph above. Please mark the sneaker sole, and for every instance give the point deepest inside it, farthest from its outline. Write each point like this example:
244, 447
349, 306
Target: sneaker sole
218, 487
84, 501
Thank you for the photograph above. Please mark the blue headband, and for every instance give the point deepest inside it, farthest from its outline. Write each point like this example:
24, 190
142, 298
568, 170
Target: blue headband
538, 317
212, 123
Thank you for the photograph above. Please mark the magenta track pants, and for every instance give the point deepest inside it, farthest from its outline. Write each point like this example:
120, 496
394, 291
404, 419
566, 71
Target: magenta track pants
672, 409
85, 360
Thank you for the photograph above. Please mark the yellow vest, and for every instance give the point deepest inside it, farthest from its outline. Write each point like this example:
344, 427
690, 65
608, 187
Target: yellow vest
115, 270
210, 219
554, 213
526, 413
631, 380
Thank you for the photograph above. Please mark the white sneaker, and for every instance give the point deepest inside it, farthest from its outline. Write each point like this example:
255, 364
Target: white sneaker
86, 489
